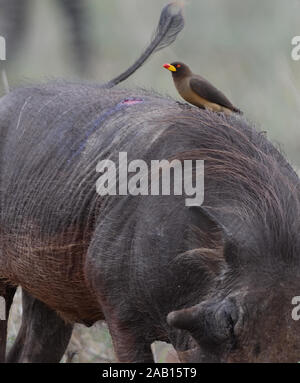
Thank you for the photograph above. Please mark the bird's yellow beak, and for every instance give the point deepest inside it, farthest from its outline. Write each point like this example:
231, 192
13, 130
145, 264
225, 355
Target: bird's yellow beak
170, 67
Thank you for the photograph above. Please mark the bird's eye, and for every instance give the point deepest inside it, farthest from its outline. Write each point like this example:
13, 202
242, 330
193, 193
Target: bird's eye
178, 66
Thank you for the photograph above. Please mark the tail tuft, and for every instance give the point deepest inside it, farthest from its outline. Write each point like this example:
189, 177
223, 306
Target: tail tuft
170, 24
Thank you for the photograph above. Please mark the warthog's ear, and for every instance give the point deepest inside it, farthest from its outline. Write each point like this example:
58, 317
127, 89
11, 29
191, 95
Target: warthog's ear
205, 219
210, 323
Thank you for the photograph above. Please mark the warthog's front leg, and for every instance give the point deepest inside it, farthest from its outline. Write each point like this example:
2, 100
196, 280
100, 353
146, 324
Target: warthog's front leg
132, 341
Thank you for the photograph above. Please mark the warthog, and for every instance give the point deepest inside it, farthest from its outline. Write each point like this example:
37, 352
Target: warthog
216, 281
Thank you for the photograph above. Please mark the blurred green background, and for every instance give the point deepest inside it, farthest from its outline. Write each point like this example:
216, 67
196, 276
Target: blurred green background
242, 47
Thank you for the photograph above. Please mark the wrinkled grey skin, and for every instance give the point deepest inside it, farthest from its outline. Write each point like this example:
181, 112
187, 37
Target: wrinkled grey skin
215, 281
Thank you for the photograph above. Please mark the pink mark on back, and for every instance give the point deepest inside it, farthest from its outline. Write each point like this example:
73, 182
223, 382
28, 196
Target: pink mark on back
132, 101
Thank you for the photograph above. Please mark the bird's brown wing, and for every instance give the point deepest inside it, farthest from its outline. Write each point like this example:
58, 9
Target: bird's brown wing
206, 90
